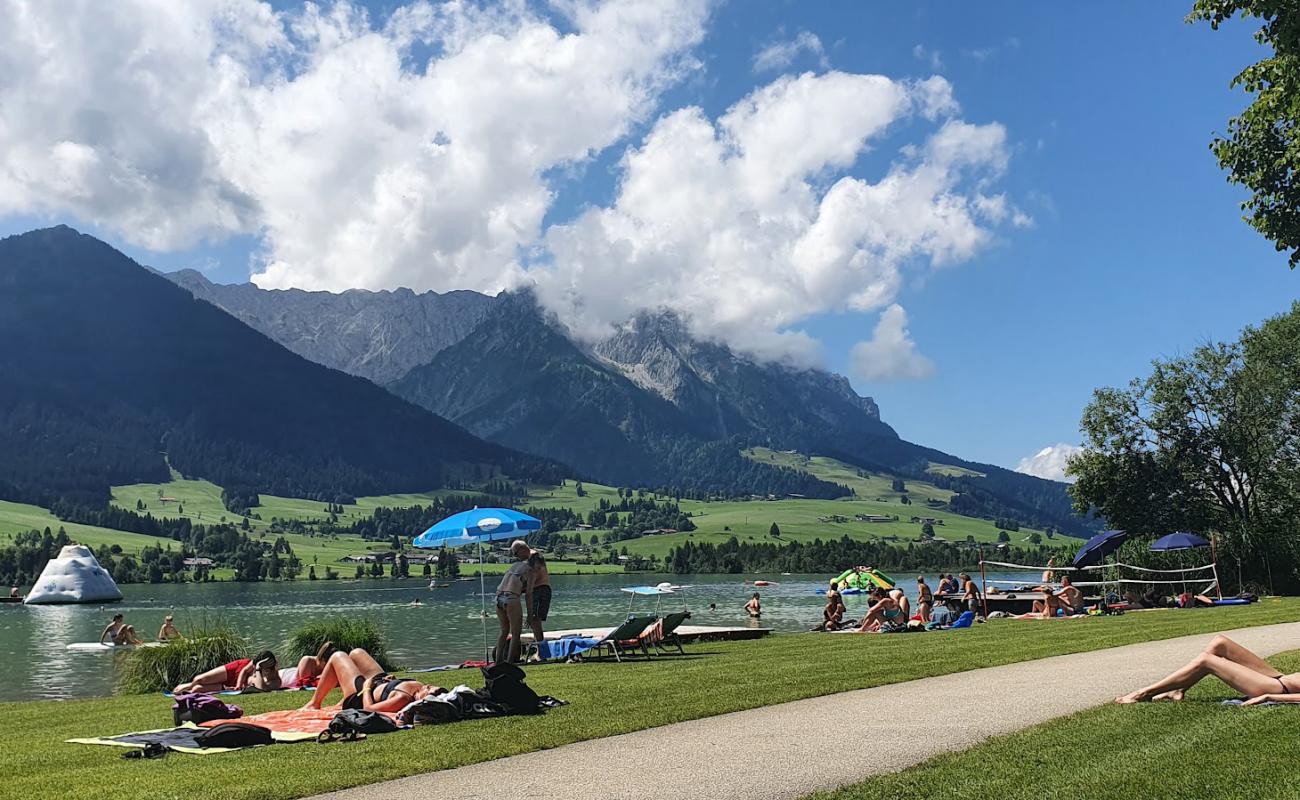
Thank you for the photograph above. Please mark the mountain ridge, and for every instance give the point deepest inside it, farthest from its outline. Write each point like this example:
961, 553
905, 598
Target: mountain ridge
107, 365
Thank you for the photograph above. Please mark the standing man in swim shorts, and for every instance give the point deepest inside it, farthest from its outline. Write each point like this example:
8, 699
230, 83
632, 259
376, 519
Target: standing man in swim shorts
510, 593
540, 605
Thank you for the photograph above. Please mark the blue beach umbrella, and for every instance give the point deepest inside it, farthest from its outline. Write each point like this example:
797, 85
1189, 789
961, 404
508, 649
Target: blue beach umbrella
1182, 540
1098, 547
477, 526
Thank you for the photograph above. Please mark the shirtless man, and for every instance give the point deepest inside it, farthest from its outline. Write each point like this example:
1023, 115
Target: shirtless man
1071, 596
924, 598
970, 594
539, 607
754, 608
515, 588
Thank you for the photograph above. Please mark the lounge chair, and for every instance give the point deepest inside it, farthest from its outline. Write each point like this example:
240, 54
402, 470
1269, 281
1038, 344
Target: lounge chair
667, 634
627, 637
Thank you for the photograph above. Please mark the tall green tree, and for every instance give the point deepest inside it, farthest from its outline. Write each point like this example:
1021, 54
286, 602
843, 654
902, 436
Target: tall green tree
1207, 442
1261, 149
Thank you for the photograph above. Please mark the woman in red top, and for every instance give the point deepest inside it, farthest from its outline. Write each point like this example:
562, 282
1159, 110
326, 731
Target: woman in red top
260, 672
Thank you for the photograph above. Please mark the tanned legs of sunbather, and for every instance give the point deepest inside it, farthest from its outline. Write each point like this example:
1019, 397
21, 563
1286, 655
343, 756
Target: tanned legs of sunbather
1230, 663
361, 680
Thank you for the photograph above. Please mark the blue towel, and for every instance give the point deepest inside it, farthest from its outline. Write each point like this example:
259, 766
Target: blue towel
563, 648
965, 620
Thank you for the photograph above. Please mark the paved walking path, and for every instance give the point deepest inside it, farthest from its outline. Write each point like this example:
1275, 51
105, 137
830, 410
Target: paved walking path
779, 751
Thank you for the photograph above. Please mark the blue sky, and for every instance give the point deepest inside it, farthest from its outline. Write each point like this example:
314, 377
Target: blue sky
1136, 249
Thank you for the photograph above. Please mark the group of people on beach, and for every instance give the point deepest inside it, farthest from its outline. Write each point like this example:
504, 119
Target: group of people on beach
363, 683
892, 607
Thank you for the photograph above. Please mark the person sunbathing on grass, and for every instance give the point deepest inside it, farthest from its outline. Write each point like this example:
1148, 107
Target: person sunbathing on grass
1231, 663
308, 670
884, 609
259, 673
1047, 608
366, 685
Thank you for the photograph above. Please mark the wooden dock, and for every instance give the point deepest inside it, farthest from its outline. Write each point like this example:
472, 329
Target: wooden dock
688, 633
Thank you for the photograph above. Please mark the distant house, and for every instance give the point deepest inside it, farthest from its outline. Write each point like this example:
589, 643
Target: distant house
368, 558
795, 496
584, 527
191, 563
874, 518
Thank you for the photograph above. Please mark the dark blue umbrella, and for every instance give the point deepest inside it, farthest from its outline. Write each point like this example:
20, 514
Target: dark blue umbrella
477, 526
1182, 540
1098, 547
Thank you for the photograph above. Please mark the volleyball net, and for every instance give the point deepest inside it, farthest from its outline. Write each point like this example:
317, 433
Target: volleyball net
1114, 577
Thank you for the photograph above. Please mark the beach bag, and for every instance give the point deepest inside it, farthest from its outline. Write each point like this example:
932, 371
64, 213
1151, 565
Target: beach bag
199, 708
234, 734
504, 683
354, 720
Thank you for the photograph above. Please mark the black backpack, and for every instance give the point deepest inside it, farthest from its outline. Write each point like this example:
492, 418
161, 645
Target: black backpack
234, 734
504, 683
354, 720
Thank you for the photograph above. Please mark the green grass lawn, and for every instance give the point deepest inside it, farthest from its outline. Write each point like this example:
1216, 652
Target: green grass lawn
1156, 751
799, 519
606, 699
20, 518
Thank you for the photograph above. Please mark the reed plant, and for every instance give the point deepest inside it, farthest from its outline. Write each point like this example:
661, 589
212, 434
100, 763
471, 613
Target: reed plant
158, 669
346, 633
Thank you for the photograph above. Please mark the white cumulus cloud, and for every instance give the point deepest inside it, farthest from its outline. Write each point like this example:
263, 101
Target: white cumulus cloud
1049, 462
781, 54
362, 152
424, 148
752, 222
890, 353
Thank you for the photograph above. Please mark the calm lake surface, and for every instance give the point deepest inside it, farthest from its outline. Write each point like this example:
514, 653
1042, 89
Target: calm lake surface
445, 629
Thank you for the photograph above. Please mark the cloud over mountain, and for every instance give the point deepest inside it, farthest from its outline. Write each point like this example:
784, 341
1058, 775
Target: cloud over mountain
425, 149
1049, 462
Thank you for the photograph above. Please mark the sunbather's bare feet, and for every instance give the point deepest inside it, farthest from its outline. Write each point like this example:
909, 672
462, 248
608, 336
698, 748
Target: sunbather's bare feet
1173, 696
1132, 697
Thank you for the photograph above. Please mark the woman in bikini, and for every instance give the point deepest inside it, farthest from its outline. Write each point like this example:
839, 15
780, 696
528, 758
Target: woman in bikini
118, 633
754, 607
1230, 663
365, 684
259, 673
885, 609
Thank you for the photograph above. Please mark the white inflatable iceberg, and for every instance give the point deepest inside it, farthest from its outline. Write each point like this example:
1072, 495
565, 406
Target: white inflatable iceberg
74, 577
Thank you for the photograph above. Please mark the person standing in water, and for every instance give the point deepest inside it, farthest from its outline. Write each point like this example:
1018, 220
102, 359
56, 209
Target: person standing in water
540, 605
754, 608
119, 633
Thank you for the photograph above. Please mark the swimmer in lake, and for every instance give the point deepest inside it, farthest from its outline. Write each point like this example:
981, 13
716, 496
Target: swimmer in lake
754, 608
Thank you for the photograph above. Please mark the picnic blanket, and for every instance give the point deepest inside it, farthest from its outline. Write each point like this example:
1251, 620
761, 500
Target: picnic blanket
181, 740
310, 721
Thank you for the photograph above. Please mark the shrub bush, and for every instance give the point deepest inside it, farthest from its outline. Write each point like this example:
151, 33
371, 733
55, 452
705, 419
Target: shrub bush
346, 633
158, 669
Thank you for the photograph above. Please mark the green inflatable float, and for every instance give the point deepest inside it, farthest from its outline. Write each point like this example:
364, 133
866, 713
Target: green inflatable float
864, 578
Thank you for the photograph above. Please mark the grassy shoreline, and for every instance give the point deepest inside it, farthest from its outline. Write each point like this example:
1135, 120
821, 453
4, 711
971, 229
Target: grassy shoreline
606, 699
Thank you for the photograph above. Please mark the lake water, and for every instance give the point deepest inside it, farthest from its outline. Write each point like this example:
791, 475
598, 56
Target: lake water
445, 629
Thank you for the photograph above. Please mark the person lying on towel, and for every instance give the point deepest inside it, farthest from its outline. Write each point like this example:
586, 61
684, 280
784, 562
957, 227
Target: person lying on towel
1231, 663
261, 673
365, 684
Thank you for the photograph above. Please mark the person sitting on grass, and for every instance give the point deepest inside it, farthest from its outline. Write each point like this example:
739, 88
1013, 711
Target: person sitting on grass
168, 631
260, 673
884, 609
904, 604
833, 613
1046, 608
365, 684
1231, 663
754, 608
308, 670
118, 633
1070, 596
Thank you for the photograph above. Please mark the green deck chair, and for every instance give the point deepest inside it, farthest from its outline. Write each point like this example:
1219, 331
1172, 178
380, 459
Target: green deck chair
625, 637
